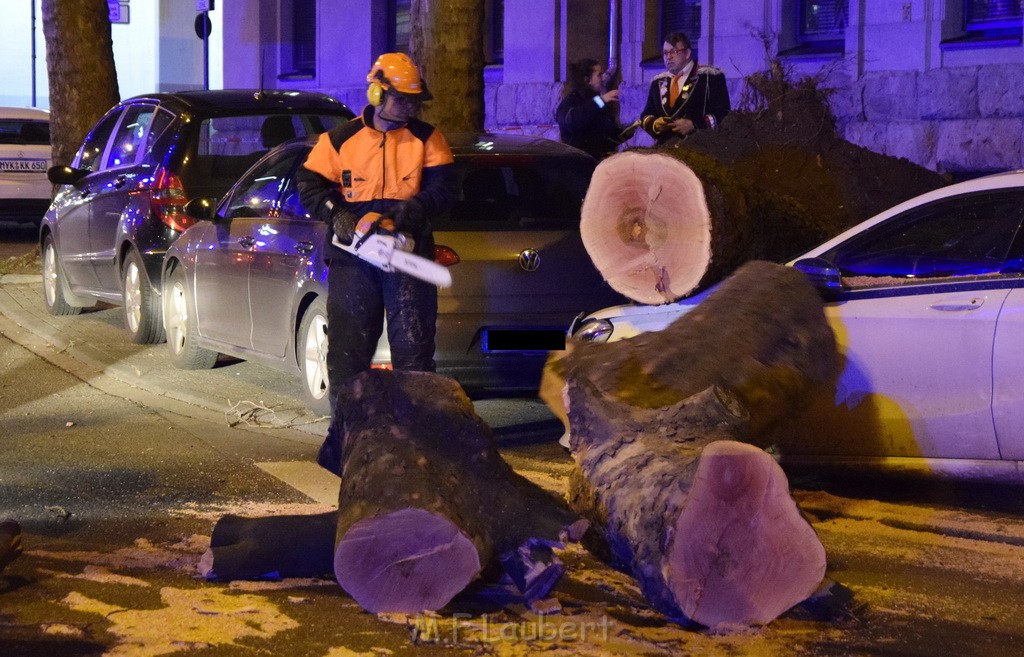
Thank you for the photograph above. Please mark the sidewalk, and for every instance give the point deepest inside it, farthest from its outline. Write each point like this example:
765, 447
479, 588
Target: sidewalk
94, 347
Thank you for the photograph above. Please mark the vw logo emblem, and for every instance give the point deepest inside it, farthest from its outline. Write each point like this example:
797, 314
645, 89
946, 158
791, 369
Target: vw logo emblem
529, 259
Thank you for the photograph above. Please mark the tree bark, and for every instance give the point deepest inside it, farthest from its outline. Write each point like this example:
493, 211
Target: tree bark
707, 528
426, 501
446, 42
761, 336
80, 70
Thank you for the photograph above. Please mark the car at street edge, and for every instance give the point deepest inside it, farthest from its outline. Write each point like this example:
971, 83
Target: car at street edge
119, 206
24, 158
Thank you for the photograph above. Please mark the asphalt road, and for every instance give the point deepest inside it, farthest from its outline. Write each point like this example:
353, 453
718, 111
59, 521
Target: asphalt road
118, 465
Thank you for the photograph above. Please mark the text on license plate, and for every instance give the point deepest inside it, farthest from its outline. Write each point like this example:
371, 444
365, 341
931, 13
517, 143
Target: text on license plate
23, 165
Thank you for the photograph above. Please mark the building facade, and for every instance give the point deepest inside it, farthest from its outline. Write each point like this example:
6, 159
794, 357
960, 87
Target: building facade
935, 81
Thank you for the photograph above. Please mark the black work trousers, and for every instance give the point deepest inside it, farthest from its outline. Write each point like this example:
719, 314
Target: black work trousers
359, 299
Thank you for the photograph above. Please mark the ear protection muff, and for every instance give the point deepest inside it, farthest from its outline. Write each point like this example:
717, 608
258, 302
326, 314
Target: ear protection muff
375, 92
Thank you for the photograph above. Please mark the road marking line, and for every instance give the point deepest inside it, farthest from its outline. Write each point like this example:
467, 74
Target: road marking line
307, 478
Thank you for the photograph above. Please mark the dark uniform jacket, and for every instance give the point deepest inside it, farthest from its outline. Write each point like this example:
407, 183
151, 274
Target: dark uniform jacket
584, 124
372, 171
703, 98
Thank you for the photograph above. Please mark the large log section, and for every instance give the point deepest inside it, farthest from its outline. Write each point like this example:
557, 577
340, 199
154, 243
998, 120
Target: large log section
426, 501
709, 530
769, 184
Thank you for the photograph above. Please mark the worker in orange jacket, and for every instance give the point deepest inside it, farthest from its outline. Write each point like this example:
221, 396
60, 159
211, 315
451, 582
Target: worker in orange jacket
389, 162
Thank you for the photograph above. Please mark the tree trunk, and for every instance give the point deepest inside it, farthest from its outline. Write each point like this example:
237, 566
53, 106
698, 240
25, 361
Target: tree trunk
80, 69
447, 43
708, 529
773, 181
761, 336
426, 501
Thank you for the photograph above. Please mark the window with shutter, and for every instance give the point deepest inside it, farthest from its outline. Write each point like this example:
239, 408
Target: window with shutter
992, 15
822, 20
681, 16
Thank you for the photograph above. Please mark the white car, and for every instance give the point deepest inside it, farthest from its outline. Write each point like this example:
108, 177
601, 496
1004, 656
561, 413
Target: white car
927, 303
24, 158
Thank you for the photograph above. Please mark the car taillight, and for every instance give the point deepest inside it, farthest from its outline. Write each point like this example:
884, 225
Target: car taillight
445, 255
168, 200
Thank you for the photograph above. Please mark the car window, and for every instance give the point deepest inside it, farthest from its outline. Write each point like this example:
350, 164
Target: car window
291, 206
228, 145
518, 193
159, 123
30, 132
963, 236
95, 143
127, 143
256, 194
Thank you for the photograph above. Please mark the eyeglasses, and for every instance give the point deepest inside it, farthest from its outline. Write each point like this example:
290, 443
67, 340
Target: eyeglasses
673, 51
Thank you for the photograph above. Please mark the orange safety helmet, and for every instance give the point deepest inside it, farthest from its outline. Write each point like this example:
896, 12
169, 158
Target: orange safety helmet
394, 71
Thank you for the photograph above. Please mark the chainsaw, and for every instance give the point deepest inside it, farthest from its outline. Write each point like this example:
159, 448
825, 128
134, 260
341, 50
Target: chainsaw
377, 242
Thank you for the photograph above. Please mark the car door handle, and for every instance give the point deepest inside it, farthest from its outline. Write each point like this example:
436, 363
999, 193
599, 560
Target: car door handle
304, 247
958, 306
120, 181
246, 242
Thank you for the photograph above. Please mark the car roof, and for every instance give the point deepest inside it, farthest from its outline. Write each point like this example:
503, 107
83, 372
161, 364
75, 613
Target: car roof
233, 101
482, 144
24, 113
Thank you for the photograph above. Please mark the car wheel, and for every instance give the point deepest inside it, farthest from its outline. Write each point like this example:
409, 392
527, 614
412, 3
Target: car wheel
311, 348
141, 310
53, 287
180, 326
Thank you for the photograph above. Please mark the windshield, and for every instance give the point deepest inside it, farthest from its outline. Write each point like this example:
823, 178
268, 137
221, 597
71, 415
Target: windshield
496, 193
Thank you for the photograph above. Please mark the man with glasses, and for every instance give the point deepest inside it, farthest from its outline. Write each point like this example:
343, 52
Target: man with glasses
687, 97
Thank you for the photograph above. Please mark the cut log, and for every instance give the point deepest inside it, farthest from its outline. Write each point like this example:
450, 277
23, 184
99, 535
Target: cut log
772, 182
761, 335
426, 502
708, 529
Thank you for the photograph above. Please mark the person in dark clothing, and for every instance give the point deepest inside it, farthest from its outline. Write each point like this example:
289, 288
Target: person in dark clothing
585, 117
389, 162
687, 97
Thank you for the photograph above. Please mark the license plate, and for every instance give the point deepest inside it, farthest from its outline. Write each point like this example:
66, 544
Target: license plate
16, 165
523, 340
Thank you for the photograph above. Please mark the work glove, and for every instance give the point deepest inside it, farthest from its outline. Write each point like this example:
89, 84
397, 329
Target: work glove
408, 216
343, 222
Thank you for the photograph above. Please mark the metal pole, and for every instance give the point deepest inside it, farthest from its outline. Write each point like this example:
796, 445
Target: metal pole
206, 50
33, 3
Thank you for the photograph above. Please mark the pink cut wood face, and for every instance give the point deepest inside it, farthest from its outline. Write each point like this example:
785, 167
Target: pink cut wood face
407, 561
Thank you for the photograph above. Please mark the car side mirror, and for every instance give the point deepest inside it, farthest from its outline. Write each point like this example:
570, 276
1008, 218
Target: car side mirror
202, 209
823, 274
65, 175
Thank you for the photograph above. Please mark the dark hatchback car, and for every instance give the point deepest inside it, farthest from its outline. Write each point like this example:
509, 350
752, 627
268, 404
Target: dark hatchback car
251, 282
120, 207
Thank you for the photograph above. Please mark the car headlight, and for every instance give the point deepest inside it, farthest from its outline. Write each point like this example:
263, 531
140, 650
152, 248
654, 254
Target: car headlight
593, 330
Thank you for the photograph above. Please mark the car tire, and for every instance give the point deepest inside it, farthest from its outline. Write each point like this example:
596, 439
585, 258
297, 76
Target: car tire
311, 353
142, 312
180, 326
53, 282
